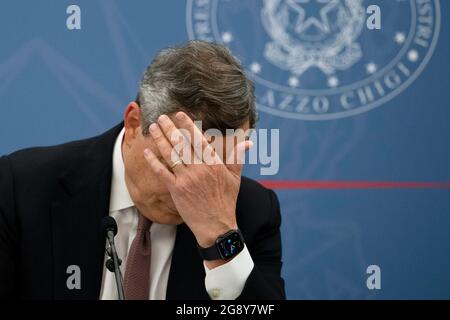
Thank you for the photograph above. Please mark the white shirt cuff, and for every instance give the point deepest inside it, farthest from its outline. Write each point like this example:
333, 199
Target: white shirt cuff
227, 281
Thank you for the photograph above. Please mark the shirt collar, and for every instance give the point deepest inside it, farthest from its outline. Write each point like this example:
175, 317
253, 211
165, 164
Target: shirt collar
120, 197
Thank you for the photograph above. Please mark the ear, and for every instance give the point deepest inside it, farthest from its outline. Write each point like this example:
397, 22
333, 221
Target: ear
132, 121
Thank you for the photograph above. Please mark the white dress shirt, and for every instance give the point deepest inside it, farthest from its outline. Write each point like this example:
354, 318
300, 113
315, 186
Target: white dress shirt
224, 282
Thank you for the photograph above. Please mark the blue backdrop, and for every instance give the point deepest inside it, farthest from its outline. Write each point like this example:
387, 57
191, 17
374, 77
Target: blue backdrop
358, 110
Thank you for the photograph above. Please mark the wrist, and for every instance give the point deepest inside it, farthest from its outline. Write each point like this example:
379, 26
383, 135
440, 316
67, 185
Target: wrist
211, 264
207, 236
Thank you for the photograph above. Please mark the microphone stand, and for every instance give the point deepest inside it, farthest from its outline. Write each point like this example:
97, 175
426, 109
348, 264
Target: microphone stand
113, 263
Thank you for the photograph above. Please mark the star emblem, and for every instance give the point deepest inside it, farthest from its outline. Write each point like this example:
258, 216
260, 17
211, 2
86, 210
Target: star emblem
312, 13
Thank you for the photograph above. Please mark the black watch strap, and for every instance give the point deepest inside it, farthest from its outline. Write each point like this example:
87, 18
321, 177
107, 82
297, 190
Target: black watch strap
210, 253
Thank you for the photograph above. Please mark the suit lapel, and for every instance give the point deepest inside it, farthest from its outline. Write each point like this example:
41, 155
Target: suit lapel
187, 274
76, 214
77, 241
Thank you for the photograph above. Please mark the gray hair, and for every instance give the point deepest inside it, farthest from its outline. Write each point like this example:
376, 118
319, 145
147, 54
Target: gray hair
202, 79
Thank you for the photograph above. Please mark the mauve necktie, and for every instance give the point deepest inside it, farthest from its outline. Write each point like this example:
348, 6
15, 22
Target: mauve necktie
137, 273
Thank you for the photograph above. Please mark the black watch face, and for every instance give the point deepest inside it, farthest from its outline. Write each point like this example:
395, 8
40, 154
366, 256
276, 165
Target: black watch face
230, 245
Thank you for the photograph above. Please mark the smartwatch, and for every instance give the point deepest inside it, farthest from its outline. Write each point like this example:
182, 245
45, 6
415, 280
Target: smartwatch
226, 246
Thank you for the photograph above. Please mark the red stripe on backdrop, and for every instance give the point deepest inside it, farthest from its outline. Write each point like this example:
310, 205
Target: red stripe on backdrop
297, 184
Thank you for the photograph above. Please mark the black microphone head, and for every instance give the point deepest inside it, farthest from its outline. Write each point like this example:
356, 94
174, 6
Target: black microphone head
109, 224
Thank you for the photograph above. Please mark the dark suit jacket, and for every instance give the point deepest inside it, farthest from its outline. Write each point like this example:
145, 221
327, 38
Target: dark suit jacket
52, 201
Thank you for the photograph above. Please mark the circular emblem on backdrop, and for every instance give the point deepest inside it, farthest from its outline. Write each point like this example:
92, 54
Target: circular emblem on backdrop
317, 59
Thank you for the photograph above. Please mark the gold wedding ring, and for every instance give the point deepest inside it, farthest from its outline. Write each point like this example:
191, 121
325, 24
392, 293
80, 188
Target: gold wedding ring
176, 163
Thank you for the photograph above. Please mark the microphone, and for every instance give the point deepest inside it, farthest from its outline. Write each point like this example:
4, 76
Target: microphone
109, 227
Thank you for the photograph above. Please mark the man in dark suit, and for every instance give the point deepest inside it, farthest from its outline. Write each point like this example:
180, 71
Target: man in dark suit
189, 226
